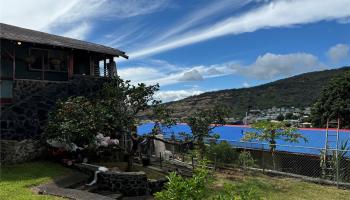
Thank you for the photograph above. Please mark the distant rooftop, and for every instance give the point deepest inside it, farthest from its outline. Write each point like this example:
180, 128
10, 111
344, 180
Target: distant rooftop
26, 35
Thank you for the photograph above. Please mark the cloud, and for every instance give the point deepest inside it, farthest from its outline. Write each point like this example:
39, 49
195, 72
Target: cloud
270, 15
79, 32
338, 52
266, 67
246, 85
140, 74
72, 17
192, 75
35, 14
271, 66
345, 20
203, 15
153, 75
175, 95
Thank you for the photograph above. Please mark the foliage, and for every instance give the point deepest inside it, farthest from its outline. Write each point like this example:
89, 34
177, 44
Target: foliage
271, 132
78, 120
123, 101
163, 115
336, 161
234, 192
290, 116
195, 188
221, 152
334, 102
75, 120
202, 124
280, 117
245, 159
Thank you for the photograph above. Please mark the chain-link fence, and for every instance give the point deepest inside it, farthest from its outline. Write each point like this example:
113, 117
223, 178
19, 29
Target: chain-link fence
329, 166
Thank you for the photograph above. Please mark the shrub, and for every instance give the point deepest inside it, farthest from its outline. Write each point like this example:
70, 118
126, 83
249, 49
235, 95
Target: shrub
74, 121
179, 188
222, 152
245, 159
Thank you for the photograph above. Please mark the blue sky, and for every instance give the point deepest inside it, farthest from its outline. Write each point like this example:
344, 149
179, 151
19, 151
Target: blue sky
194, 46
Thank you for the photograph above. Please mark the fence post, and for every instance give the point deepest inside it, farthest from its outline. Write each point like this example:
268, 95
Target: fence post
262, 158
192, 163
337, 165
215, 160
160, 160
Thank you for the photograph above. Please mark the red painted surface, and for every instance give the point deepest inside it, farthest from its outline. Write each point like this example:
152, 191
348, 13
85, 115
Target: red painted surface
70, 66
6, 78
305, 129
4, 101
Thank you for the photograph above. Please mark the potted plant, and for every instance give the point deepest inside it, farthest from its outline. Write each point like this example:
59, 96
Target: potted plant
29, 59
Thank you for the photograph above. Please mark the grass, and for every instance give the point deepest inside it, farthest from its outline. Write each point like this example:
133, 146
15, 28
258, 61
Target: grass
275, 188
16, 180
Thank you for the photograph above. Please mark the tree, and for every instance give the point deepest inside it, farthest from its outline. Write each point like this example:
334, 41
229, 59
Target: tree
271, 132
77, 121
123, 102
334, 103
114, 111
280, 117
289, 116
162, 116
202, 124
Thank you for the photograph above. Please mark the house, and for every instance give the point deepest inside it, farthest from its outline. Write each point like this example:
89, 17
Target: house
39, 68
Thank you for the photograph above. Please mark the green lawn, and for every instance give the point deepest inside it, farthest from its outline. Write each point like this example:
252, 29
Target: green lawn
16, 180
275, 188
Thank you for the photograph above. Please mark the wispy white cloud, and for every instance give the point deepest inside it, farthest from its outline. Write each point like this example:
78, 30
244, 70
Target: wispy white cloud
35, 14
64, 16
338, 52
266, 67
174, 95
202, 15
152, 71
78, 32
274, 14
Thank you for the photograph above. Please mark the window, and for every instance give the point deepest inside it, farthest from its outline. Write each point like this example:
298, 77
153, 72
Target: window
37, 59
57, 61
47, 60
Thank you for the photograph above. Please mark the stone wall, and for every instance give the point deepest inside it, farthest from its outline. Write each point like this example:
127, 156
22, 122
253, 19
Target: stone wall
12, 152
33, 100
128, 183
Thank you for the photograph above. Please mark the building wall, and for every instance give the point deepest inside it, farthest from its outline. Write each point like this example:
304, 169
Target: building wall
6, 73
27, 116
19, 151
23, 71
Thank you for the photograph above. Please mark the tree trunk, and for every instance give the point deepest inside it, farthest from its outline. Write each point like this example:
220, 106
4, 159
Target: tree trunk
273, 159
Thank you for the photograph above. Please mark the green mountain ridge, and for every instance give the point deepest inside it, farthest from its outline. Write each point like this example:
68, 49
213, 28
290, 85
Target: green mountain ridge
297, 91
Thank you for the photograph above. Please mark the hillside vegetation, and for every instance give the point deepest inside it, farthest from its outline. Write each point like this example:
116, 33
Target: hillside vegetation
298, 91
